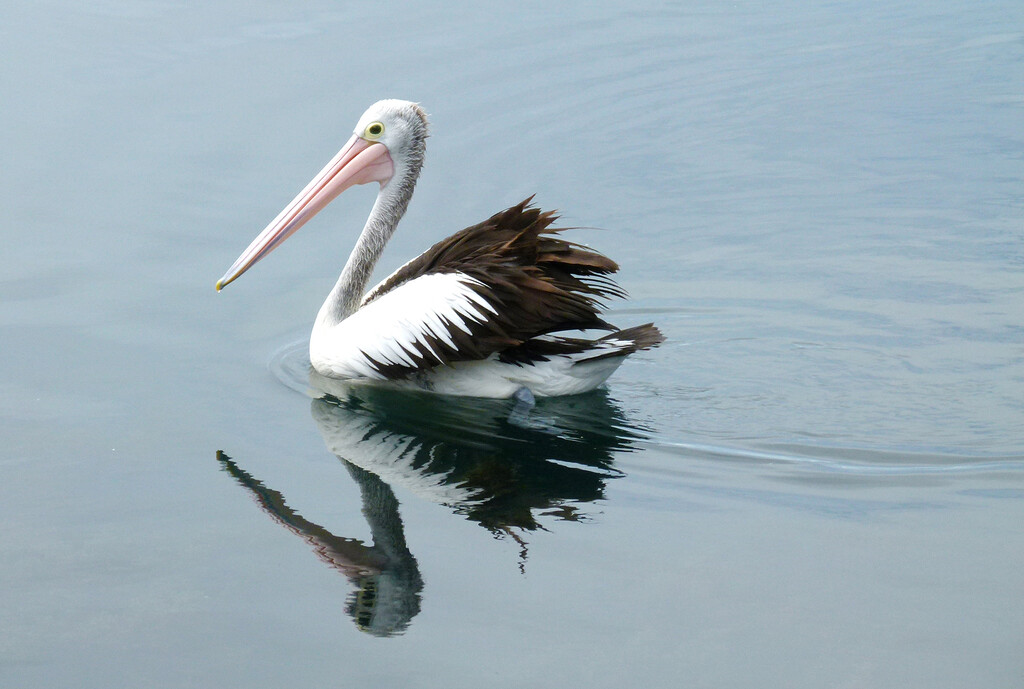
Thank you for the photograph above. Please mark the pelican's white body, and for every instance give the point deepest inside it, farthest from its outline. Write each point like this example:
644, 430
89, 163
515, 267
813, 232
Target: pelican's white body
385, 329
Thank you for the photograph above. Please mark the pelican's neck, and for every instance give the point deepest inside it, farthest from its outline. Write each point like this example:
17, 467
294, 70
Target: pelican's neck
348, 292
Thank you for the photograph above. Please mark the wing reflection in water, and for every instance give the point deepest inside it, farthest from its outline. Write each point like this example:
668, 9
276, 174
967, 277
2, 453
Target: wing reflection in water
506, 467
488, 460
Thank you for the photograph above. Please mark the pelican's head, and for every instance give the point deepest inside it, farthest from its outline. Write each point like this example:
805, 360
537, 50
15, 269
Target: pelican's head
401, 127
388, 144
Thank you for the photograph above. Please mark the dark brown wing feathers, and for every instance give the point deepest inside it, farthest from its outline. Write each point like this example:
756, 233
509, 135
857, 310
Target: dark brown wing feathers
628, 341
537, 282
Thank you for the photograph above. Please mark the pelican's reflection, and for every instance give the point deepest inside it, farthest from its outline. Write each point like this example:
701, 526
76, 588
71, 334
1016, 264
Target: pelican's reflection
507, 468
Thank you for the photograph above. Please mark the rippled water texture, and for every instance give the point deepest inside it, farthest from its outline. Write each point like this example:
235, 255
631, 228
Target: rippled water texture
816, 481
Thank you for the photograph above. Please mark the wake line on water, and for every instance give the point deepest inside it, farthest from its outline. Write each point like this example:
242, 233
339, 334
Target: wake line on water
957, 464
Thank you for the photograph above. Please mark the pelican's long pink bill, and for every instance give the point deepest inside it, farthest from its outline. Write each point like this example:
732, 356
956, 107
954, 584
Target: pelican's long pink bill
358, 162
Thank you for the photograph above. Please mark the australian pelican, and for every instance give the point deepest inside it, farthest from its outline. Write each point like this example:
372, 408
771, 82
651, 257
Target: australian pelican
482, 313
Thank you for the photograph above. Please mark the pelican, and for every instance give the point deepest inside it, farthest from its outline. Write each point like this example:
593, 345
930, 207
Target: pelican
482, 313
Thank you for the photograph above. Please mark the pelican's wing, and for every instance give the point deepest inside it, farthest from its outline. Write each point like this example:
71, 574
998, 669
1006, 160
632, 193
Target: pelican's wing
489, 288
434, 319
517, 245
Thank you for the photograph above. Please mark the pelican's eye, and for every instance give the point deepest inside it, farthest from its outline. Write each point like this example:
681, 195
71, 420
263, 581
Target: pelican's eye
373, 131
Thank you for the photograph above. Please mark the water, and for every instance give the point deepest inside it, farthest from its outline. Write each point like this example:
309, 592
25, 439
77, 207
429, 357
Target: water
817, 481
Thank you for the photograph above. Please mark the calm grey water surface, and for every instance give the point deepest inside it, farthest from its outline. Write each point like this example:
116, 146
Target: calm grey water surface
817, 481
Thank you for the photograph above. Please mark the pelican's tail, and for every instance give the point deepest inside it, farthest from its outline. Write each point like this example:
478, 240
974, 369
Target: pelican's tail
624, 342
